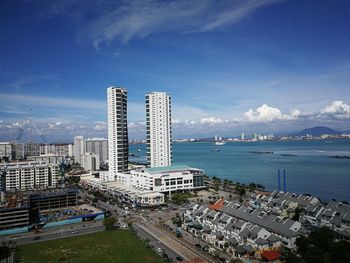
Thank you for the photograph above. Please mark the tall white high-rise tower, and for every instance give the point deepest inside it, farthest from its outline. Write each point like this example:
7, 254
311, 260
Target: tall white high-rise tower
118, 145
159, 136
78, 148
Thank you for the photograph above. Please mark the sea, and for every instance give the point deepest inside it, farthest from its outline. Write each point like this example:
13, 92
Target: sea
308, 165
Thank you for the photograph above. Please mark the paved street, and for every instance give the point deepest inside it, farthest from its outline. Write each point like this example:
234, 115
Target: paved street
174, 243
155, 243
57, 232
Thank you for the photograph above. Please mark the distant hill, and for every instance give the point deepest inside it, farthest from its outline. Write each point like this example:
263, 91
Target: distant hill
316, 131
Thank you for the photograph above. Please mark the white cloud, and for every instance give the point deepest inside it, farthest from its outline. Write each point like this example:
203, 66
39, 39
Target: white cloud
100, 127
263, 113
337, 110
190, 121
212, 120
139, 18
266, 113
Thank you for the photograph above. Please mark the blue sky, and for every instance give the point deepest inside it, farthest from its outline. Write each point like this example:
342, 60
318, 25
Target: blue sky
230, 66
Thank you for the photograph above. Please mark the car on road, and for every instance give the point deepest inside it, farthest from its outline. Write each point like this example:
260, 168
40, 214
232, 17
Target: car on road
179, 258
37, 238
198, 245
159, 249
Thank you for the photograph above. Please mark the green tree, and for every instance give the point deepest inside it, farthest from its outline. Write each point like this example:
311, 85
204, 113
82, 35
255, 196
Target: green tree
241, 191
297, 213
109, 222
216, 186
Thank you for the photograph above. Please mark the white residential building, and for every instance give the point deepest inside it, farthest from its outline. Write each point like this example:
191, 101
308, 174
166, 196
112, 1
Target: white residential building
48, 158
29, 175
78, 148
90, 161
118, 144
98, 146
55, 174
159, 136
7, 151
12, 178
63, 149
41, 176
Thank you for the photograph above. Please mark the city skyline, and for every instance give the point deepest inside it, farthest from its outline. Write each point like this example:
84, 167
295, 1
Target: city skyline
238, 66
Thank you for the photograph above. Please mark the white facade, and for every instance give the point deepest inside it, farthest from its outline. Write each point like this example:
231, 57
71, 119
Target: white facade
55, 174
98, 146
48, 158
118, 144
90, 162
104, 176
41, 176
12, 179
124, 192
167, 179
159, 136
59, 149
30, 175
27, 177
7, 151
78, 148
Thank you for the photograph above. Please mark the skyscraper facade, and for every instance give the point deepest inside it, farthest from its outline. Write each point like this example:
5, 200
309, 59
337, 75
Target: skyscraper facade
159, 136
118, 145
98, 146
78, 148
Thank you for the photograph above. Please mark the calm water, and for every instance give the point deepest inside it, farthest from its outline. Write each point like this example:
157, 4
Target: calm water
309, 170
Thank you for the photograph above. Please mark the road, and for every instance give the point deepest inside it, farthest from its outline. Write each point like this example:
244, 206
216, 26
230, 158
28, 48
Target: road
55, 233
156, 244
175, 244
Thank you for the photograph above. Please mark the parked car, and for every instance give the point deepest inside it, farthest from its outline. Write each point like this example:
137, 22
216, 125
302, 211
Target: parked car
179, 258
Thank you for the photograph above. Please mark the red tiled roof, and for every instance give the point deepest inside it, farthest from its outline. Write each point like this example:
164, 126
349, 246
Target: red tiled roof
218, 204
271, 255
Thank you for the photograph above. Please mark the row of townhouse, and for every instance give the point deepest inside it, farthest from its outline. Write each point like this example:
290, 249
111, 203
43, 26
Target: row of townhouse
282, 203
335, 215
241, 230
28, 175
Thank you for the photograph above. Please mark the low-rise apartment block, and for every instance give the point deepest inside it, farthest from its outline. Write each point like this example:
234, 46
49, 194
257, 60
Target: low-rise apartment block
29, 175
166, 179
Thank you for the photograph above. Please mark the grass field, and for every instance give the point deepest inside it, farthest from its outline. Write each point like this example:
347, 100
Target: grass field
110, 246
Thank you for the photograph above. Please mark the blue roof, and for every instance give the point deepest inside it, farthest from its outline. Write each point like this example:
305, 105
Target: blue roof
166, 169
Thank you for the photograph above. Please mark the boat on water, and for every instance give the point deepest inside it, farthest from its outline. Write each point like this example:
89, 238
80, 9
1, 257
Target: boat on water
139, 150
219, 143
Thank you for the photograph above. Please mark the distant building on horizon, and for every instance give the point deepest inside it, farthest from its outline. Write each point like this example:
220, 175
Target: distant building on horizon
159, 135
118, 143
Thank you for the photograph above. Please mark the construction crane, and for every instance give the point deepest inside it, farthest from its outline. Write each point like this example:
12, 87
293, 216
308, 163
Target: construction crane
28, 120
21, 128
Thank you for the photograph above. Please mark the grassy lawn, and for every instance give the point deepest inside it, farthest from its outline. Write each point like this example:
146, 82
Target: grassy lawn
110, 246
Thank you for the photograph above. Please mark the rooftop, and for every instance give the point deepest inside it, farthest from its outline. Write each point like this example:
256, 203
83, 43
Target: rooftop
168, 169
271, 255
